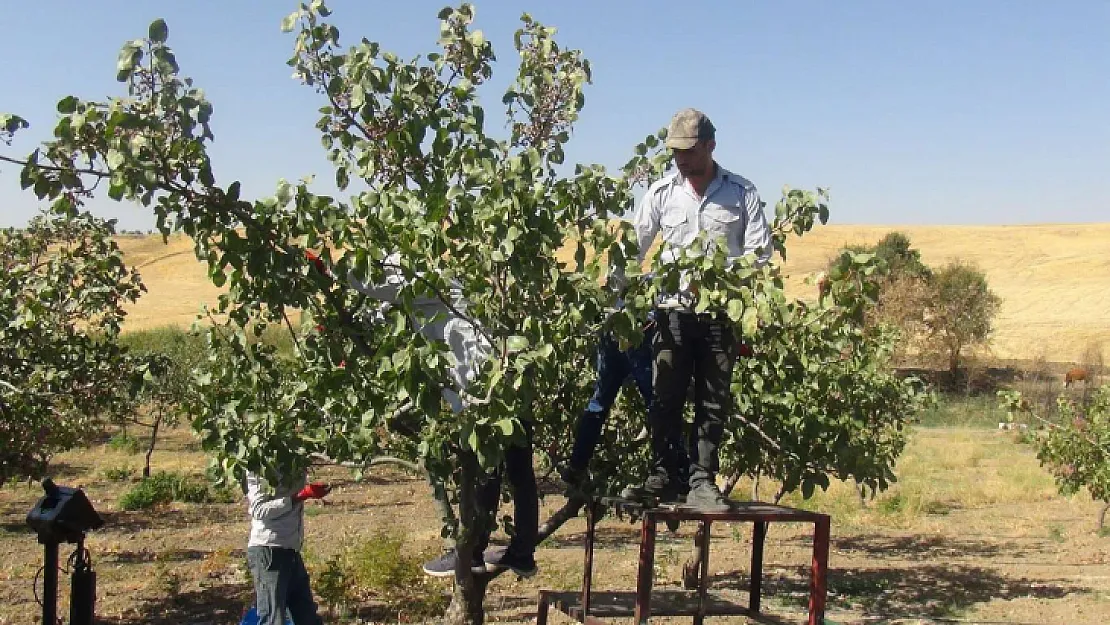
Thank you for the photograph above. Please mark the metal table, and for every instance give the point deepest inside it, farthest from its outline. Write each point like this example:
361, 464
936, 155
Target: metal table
588, 607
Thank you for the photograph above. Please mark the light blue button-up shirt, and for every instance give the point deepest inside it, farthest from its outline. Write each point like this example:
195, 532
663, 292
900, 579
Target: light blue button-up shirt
731, 208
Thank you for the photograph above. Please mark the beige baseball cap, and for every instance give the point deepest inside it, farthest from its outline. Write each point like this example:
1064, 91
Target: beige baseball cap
687, 127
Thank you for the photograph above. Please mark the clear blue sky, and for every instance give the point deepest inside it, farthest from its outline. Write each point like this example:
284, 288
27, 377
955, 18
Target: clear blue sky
938, 112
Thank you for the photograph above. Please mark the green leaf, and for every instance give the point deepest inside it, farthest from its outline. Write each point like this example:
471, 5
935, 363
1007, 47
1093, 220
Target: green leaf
749, 323
158, 32
290, 21
516, 343
115, 159
735, 309
67, 105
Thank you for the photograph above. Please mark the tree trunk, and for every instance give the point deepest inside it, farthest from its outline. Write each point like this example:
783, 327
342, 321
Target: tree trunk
153, 441
1102, 516
469, 593
466, 600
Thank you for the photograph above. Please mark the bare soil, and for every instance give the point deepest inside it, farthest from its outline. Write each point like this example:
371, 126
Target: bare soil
1031, 556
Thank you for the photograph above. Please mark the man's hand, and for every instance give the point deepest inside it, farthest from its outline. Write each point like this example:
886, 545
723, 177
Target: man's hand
315, 490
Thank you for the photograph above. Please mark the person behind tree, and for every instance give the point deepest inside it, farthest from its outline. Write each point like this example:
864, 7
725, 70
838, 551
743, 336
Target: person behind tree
613, 367
470, 348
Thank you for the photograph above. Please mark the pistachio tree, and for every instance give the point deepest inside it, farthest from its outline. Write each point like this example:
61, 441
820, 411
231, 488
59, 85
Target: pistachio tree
481, 214
62, 371
1074, 445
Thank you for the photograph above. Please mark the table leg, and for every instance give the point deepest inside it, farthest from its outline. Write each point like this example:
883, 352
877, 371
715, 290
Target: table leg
818, 585
703, 575
587, 574
541, 610
646, 572
759, 534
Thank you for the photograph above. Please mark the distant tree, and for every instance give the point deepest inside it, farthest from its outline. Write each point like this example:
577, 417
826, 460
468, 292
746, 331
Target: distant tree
960, 312
900, 260
169, 358
899, 288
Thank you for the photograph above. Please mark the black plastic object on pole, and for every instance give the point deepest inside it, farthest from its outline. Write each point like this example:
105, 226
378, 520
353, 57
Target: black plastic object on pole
63, 515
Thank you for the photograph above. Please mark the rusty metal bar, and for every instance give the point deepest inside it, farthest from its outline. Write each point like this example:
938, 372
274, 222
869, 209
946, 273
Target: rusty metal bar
541, 610
588, 573
818, 586
646, 573
703, 575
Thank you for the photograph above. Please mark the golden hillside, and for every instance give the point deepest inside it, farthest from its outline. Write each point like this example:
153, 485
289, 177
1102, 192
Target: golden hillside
1054, 279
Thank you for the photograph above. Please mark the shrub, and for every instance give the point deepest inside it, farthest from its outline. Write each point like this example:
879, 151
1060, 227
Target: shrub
121, 473
380, 569
125, 442
164, 487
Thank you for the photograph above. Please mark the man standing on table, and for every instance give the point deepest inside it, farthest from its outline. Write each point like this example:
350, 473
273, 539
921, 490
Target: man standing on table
700, 197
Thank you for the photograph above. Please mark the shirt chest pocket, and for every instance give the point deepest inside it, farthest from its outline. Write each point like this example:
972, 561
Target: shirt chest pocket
673, 224
723, 221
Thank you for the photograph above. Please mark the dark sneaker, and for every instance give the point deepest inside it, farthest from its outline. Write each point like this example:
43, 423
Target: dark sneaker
656, 488
504, 558
706, 497
444, 566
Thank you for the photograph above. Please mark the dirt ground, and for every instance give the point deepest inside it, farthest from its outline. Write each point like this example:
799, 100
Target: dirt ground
1039, 561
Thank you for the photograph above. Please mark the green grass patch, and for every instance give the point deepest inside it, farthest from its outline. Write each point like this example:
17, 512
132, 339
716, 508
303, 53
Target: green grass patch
121, 473
980, 411
124, 442
164, 487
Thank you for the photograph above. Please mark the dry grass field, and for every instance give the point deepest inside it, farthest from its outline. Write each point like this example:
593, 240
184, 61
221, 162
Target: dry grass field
1054, 280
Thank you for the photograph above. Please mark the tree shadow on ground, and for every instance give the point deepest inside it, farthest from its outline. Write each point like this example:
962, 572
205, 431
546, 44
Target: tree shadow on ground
606, 537
930, 590
928, 547
215, 605
164, 555
187, 516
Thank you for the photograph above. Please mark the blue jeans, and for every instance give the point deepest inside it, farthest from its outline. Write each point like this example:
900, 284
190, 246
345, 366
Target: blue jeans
613, 368
281, 583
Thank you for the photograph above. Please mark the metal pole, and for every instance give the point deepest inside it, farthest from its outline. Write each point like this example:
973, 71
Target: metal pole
50, 584
759, 534
703, 574
587, 574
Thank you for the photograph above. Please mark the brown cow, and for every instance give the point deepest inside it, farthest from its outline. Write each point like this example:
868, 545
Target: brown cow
1075, 374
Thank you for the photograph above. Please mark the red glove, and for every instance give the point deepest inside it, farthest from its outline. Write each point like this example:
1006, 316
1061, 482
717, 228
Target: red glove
315, 490
317, 261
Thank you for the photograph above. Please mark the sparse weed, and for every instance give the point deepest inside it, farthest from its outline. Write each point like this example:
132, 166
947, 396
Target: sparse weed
125, 442
122, 473
380, 569
1056, 533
